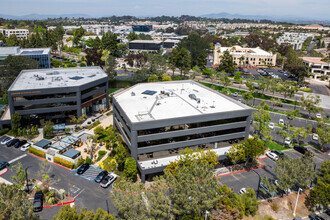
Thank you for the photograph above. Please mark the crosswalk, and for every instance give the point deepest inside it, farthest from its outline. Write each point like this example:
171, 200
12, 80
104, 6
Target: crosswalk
91, 173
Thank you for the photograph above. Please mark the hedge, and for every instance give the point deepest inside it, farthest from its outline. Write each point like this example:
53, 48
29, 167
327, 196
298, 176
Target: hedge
37, 152
63, 162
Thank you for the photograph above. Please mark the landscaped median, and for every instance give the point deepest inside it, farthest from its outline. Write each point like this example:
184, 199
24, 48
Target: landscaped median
52, 196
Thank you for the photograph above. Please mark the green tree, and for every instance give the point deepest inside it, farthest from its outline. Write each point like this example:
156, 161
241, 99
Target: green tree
269, 185
43, 173
183, 61
14, 203
68, 212
237, 76
292, 114
12, 41
94, 57
130, 169
48, 129
262, 119
120, 157
247, 96
153, 78
319, 196
310, 103
132, 36
227, 63
16, 122
198, 48
295, 65
111, 64
324, 136
109, 42
250, 202
251, 148
250, 85
20, 174
299, 132
283, 134
172, 59
77, 35
224, 79
189, 196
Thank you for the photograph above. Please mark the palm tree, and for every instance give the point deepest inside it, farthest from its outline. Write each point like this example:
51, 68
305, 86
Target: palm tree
241, 59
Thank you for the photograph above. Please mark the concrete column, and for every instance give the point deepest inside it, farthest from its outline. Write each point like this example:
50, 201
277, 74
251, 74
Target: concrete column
78, 97
134, 144
143, 177
107, 96
247, 129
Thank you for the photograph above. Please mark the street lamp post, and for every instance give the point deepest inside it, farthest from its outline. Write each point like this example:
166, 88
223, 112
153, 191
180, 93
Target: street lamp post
27, 180
295, 207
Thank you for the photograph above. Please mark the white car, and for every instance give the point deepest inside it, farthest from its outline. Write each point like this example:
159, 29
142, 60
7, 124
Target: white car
241, 191
318, 115
281, 121
235, 94
25, 147
240, 100
7, 139
108, 180
315, 137
287, 141
272, 155
271, 125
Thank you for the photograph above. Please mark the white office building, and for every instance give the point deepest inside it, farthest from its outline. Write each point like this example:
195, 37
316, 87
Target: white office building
294, 39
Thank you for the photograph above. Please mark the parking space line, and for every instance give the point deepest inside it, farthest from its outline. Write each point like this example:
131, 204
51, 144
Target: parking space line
79, 193
17, 158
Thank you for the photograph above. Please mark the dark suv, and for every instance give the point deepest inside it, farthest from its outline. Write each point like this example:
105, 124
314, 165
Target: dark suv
278, 153
38, 201
83, 169
300, 149
101, 176
12, 142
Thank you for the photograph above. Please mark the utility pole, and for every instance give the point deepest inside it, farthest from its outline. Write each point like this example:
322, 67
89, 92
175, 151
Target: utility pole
295, 207
27, 180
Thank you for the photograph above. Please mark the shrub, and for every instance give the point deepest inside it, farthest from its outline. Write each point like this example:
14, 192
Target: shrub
4, 131
88, 160
64, 163
80, 162
130, 169
101, 152
267, 217
274, 207
37, 152
306, 89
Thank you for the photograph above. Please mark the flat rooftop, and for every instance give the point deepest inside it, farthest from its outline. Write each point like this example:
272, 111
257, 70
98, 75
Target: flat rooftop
164, 100
146, 41
56, 78
315, 60
16, 51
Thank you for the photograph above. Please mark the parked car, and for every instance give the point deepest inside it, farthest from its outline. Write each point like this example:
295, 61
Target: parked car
108, 180
315, 137
272, 155
20, 143
271, 125
318, 115
241, 191
4, 165
267, 190
235, 94
300, 149
313, 216
278, 153
281, 121
25, 147
327, 212
101, 176
38, 201
240, 100
82, 169
287, 141
12, 142
313, 129
7, 139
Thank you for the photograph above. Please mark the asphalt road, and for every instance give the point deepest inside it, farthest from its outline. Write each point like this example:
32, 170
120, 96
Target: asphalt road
319, 89
87, 193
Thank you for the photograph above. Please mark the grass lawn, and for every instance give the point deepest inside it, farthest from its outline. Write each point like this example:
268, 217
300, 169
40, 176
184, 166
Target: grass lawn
112, 90
273, 145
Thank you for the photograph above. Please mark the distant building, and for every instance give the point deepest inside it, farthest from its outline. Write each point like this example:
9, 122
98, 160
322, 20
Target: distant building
157, 120
57, 94
252, 56
42, 55
145, 45
20, 33
168, 43
294, 39
2, 43
317, 67
142, 28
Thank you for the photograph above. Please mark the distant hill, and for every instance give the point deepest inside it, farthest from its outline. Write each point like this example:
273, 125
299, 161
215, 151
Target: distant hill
42, 17
291, 19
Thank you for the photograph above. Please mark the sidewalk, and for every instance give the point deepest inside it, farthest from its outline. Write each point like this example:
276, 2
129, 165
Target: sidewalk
2, 180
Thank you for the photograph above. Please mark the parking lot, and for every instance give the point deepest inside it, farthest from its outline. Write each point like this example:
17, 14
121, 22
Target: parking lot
281, 75
87, 193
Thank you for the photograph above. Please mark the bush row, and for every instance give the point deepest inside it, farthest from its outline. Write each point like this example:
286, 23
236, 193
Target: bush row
37, 152
63, 162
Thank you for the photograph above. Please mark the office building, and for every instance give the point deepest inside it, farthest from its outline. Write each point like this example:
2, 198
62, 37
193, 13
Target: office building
142, 28
252, 56
157, 120
317, 67
145, 45
20, 33
58, 94
294, 39
42, 55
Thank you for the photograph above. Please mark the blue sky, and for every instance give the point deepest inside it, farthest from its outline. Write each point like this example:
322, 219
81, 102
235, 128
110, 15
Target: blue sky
301, 8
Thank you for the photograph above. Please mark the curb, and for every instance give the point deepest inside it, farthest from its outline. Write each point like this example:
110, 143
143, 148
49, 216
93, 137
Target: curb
226, 174
49, 161
4, 172
63, 203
